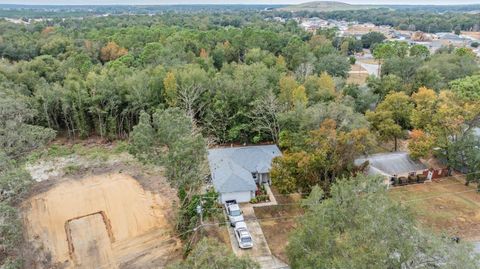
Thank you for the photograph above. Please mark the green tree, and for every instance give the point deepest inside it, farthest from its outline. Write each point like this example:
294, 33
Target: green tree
384, 85
467, 88
452, 66
10, 228
419, 51
392, 117
370, 39
334, 64
172, 140
403, 67
353, 229
296, 52
17, 136
142, 139
383, 124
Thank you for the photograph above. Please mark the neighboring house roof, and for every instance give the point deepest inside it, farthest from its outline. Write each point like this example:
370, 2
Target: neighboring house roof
232, 168
390, 164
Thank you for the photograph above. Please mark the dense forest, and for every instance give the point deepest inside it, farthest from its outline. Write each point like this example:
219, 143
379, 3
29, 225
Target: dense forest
72, 11
180, 81
235, 75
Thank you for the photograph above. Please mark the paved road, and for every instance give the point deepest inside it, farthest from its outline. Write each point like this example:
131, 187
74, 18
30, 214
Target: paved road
260, 251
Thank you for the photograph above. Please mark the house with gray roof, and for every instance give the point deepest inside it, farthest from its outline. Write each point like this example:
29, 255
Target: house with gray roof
236, 171
391, 164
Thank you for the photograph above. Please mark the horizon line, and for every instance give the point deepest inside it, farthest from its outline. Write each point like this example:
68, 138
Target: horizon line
233, 4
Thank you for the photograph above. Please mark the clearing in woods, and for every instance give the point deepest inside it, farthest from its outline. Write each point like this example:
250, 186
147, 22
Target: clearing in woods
102, 221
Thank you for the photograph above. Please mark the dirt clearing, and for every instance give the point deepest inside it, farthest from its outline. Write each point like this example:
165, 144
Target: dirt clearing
278, 221
101, 221
447, 206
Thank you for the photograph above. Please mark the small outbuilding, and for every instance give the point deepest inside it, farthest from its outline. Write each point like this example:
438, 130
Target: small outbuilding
236, 171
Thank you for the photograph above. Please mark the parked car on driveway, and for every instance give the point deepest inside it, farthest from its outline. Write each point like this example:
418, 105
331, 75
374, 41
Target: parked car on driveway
243, 236
233, 211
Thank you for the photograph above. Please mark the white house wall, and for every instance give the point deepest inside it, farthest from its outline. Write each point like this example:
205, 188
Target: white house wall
240, 197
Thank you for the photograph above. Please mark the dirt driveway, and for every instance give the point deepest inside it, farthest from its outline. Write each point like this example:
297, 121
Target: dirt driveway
260, 251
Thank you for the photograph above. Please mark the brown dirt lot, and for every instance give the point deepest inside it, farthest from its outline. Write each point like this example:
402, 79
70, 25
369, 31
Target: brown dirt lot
475, 35
446, 206
218, 233
358, 79
278, 221
100, 221
357, 75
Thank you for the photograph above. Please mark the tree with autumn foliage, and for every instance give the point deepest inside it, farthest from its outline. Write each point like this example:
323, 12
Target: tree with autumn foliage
420, 144
299, 96
287, 85
448, 120
170, 85
112, 51
324, 155
425, 101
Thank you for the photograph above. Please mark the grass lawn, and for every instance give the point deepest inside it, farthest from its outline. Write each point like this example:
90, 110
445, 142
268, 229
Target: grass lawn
447, 206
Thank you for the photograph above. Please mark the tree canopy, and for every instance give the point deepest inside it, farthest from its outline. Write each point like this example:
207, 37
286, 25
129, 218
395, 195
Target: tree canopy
360, 226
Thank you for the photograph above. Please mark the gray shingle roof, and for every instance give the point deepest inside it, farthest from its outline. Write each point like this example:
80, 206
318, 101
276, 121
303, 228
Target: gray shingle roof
232, 168
390, 164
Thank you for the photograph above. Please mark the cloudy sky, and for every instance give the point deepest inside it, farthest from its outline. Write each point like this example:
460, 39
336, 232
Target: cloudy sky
167, 2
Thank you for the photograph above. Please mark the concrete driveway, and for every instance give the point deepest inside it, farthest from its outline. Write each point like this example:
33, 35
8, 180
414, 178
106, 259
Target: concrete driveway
260, 251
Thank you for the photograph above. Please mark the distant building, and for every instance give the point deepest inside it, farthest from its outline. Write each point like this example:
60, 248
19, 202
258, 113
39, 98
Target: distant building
454, 39
236, 171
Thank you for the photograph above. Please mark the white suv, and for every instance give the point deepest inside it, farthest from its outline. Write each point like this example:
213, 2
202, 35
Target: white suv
243, 236
234, 213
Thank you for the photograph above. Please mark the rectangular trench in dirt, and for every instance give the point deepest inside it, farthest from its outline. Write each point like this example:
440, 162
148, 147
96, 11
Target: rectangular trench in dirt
90, 241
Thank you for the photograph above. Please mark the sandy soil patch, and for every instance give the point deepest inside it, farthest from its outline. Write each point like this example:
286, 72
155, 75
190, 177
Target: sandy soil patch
101, 221
89, 241
475, 35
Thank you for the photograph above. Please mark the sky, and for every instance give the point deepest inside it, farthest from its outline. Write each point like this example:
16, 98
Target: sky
169, 2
